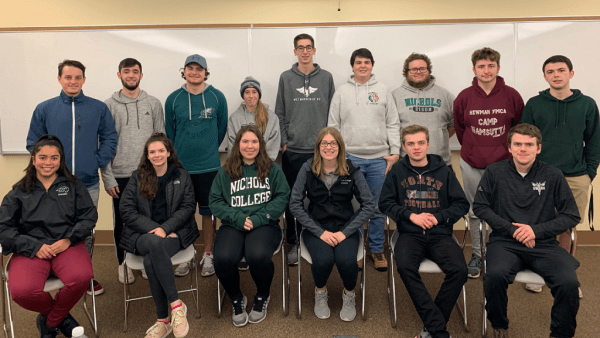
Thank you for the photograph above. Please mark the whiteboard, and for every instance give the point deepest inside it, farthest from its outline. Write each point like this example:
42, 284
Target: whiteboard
29, 59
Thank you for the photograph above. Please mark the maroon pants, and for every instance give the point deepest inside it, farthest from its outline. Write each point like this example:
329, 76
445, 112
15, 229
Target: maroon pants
27, 276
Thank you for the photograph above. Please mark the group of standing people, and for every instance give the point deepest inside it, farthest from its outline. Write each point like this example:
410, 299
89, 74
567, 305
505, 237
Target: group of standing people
389, 151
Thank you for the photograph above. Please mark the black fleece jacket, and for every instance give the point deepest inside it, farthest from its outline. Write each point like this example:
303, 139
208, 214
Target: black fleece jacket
542, 199
136, 210
30, 219
436, 191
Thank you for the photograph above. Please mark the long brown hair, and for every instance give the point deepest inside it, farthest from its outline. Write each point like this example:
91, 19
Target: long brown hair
27, 183
318, 166
234, 163
261, 116
148, 180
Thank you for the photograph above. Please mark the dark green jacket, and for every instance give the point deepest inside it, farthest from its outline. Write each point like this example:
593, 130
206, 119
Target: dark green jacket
263, 202
570, 131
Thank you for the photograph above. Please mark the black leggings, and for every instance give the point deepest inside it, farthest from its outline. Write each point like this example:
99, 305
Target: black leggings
157, 254
257, 246
324, 257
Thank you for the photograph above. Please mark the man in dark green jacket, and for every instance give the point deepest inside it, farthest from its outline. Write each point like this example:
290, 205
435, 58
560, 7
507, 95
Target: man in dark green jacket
569, 123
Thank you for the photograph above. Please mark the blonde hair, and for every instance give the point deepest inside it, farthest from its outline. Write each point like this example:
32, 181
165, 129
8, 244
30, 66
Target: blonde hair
261, 116
341, 163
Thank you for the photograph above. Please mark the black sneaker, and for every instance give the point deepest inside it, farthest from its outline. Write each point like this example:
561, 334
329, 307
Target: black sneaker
474, 267
243, 266
67, 325
46, 331
98, 289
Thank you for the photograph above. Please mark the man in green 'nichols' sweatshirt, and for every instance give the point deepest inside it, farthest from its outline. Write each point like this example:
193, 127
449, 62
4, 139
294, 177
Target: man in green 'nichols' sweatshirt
570, 128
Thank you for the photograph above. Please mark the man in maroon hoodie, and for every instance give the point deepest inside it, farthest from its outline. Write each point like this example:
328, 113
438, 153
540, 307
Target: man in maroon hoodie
483, 115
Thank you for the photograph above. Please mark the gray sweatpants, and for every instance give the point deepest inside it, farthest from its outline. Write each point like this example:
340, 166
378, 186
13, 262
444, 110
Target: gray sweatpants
471, 178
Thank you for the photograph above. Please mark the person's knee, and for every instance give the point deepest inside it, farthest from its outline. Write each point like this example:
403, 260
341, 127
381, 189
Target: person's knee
24, 291
323, 263
259, 258
458, 272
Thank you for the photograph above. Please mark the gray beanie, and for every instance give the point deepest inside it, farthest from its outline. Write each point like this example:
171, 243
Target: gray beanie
250, 82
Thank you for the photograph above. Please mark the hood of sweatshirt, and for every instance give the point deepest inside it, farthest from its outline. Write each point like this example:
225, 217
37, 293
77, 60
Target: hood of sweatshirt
306, 78
435, 162
126, 100
372, 81
497, 87
206, 87
560, 110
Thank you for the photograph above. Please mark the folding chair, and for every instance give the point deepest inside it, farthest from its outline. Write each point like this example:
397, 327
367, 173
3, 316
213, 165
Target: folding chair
524, 276
52, 284
285, 279
427, 266
135, 262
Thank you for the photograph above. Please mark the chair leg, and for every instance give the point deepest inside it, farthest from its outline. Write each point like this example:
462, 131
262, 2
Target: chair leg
9, 309
462, 310
125, 296
299, 314
392, 290
221, 298
484, 327
195, 291
285, 281
91, 317
363, 282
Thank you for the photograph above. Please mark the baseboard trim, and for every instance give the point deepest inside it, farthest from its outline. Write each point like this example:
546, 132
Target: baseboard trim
585, 238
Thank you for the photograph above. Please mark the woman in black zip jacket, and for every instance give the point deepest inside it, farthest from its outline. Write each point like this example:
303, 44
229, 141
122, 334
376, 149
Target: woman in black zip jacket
158, 208
44, 220
330, 182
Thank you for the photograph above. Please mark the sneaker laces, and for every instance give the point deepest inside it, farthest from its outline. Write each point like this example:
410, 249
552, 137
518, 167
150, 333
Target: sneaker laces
178, 316
475, 262
237, 306
350, 299
259, 304
207, 260
155, 330
321, 298
379, 256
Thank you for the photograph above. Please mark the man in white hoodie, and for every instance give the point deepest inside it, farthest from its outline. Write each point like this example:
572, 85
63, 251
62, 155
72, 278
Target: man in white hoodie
137, 115
365, 113
421, 101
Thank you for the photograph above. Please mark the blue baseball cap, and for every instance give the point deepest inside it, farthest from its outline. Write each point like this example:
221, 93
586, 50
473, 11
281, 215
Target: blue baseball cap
197, 59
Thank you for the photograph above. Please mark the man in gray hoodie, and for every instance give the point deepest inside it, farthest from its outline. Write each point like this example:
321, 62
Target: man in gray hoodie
137, 115
420, 101
302, 106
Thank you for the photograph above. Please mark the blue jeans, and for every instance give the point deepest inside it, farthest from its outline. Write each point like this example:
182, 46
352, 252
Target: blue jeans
374, 172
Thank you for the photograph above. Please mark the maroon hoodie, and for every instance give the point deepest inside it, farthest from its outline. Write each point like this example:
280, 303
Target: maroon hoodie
482, 122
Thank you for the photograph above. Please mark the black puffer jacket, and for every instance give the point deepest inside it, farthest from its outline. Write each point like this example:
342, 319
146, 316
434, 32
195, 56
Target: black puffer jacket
136, 211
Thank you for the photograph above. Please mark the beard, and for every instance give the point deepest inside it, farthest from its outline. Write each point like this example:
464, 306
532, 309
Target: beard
134, 87
419, 84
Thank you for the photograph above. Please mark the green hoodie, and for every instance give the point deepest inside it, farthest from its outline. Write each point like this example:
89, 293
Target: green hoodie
263, 202
570, 131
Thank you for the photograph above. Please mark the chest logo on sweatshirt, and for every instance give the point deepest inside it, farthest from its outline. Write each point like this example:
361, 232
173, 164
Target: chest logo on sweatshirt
62, 191
307, 91
539, 187
373, 98
423, 104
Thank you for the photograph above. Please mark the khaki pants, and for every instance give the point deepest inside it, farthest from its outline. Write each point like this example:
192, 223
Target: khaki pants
580, 187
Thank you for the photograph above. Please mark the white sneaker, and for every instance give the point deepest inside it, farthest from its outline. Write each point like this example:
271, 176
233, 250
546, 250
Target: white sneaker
182, 269
130, 276
208, 269
144, 275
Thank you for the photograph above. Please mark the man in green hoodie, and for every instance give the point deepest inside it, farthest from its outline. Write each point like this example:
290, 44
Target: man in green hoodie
569, 123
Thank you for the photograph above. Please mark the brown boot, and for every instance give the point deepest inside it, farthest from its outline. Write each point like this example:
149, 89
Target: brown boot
501, 333
379, 261
360, 264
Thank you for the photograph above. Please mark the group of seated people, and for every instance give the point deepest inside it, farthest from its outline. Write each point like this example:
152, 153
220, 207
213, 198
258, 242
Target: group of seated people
46, 218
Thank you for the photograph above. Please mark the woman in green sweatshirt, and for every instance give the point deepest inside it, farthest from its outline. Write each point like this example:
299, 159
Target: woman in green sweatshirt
248, 195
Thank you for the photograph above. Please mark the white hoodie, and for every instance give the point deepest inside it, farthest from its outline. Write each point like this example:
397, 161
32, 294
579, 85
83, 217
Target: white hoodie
366, 116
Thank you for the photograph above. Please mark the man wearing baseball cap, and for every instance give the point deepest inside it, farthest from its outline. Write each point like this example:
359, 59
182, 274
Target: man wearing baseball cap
196, 122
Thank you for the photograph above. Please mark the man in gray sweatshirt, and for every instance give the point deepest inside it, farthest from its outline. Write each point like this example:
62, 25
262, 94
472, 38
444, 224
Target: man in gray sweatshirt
420, 101
302, 106
137, 115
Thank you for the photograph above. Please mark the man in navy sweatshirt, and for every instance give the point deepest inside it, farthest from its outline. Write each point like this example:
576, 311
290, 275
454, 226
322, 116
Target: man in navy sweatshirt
527, 203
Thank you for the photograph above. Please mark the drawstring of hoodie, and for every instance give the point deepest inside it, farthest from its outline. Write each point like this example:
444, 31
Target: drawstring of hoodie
137, 112
356, 89
564, 121
190, 104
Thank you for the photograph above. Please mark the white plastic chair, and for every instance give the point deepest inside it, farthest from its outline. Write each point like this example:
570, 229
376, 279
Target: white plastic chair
427, 266
135, 262
52, 284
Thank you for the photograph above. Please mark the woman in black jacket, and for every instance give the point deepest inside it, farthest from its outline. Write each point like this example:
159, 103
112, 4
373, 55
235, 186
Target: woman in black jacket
44, 220
158, 208
330, 182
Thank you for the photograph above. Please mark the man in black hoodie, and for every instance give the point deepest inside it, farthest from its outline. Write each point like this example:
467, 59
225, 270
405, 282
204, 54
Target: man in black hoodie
422, 195
527, 203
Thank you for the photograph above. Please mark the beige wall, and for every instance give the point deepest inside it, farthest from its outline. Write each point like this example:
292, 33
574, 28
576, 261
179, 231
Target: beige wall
29, 13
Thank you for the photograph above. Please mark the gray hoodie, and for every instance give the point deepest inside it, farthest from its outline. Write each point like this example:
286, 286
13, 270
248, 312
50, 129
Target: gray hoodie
302, 106
366, 116
135, 120
242, 117
430, 107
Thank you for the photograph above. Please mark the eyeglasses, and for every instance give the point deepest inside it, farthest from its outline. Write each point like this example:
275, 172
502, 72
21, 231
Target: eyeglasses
308, 48
333, 144
420, 70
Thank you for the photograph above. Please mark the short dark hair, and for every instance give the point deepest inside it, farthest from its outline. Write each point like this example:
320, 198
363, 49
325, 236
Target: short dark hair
415, 56
71, 63
302, 37
556, 59
485, 53
413, 129
129, 62
363, 53
525, 129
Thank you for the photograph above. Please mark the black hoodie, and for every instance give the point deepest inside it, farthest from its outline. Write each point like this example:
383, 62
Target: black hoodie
542, 199
436, 191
